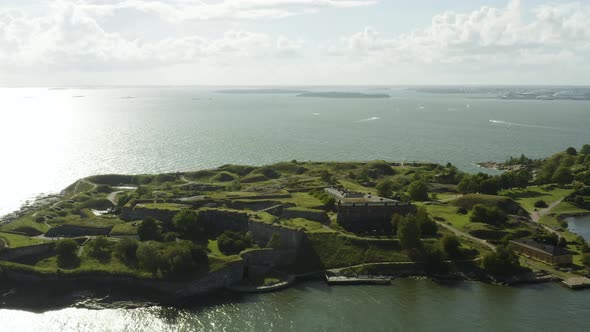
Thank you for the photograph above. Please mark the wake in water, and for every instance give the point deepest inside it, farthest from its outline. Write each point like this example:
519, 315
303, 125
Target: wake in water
373, 118
520, 124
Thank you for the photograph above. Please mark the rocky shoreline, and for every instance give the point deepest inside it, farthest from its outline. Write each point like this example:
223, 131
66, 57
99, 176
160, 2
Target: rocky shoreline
500, 166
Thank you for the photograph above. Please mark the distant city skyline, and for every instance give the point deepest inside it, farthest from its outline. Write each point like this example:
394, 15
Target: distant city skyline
294, 42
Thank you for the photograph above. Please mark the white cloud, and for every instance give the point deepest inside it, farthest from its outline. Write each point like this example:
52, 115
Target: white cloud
557, 32
178, 10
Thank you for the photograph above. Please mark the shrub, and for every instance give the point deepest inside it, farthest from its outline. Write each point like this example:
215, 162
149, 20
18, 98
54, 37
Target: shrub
487, 215
231, 243
541, 204
66, 253
418, 191
99, 248
451, 245
189, 226
148, 257
149, 229
503, 261
126, 251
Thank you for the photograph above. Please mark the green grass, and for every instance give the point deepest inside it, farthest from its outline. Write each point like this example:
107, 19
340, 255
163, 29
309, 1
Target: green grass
334, 250
25, 222
449, 214
566, 208
264, 217
297, 223
468, 201
126, 228
304, 200
350, 185
528, 196
163, 206
15, 240
214, 248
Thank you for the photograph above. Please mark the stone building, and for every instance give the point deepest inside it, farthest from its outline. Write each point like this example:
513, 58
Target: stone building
546, 253
359, 212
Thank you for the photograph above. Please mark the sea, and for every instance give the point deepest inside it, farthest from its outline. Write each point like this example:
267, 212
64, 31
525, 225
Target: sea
50, 137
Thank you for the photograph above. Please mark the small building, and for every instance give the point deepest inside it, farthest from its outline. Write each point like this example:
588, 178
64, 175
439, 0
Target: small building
545, 253
359, 212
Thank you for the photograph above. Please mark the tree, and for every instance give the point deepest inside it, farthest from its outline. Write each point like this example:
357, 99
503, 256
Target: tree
149, 229
126, 251
408, 233
488, 215
99, 248
434, 259
501, 262
189, 226
427, 226
418, 191
66, 253
541, 204
489, 186
231, 243
148, 257
571, 151
385, 188
585, 149
451, 245
563, 175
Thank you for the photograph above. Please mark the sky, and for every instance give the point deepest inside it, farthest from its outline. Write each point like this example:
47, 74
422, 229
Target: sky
293, 42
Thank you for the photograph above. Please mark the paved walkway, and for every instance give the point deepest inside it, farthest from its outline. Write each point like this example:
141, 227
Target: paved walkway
537, 215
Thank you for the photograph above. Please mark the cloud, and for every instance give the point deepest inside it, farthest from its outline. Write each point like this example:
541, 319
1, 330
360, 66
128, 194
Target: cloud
69, 38
556, 32
178, 10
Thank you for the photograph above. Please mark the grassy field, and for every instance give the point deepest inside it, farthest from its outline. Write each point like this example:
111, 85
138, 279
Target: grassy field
163, 206
528, 196
304, 200
126, 228
15, 240
334, 250
449, 214
566, 207
25, 222
297, 223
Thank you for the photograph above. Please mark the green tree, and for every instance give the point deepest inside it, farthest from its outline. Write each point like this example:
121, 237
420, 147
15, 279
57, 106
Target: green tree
99, 248
489, 186
126, 251
427, 226
384, 188
571, 151
67, 253
408, 233
434, 259
563, 175
488, 215
501, 262
451, 245
585, 149
586, 259
418, 191
149, 257
149, 230
190, 226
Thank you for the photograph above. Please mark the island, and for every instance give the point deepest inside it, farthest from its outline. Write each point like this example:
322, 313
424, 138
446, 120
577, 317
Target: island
343, 95
262, 228
262, 91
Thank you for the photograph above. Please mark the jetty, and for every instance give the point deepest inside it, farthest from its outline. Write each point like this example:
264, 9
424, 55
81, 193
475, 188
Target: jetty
358, 280
576, 282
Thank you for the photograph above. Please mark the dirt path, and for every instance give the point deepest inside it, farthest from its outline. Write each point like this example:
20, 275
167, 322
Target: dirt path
537, 215
112, 196
466, 235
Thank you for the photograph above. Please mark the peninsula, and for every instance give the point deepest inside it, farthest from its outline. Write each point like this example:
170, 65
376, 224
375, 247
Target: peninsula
249, 228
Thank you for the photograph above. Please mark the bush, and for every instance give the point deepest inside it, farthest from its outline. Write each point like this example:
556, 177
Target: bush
501, 262
231, 243
66, 253
541, 204
451, 245
148, 257
190, 226
149, 229
126, 251
418, 191
99, 248
487, 215
408, 232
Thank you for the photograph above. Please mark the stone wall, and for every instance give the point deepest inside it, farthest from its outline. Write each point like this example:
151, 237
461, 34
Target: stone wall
218, 221
288, 238
314, 215
253, 205
362, 217
268, 257
137, 213
12, 254
74, 231
169, 289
